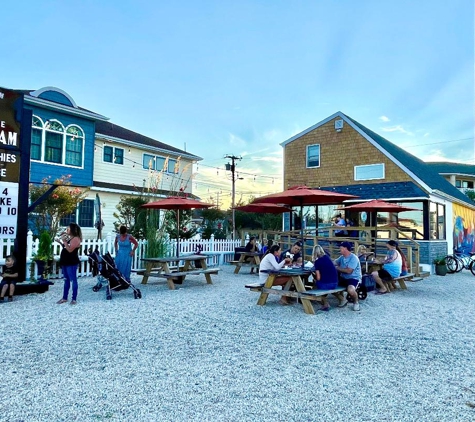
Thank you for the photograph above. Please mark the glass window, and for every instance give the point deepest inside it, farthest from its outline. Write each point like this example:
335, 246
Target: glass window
159, 163
369, 172
86, 213
313, 155
60, 146
35, 153
118, 156
441, 221
148, 162
54, 147
171, 166
108, 153
411, 223
67, 220
433, 220
458, 183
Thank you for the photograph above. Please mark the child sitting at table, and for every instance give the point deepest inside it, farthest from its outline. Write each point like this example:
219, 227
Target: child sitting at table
10, 278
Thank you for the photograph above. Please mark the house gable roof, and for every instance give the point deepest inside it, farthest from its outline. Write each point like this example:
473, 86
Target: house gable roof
422, 173
444, 167
115, 132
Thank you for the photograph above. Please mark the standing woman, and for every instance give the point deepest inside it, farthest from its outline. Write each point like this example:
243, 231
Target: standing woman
124, 251
69, 260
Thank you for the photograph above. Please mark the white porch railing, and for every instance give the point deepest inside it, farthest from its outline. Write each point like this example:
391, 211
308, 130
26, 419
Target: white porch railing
220, 250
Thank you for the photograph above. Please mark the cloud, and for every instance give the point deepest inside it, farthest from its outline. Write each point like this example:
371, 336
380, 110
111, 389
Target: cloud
384, 118
397, 128
236, 141
426, 134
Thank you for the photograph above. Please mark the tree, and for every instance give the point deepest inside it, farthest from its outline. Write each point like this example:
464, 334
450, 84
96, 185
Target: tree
470, 194
132, 215
62, 202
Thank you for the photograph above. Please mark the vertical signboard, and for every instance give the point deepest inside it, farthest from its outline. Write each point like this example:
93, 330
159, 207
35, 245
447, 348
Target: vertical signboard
9, 162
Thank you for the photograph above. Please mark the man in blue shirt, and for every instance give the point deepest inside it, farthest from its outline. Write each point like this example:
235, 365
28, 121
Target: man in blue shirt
349, 269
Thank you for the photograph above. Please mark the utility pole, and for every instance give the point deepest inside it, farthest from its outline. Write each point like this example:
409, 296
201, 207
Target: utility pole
232, 167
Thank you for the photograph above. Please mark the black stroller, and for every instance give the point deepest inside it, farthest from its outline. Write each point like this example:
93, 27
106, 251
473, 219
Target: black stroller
109, 275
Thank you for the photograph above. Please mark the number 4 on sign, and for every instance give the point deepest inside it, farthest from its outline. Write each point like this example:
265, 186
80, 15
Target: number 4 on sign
5, 191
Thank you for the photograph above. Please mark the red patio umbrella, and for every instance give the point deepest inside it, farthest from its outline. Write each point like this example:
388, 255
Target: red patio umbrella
378, 205
302, 195
263, 208
177, 203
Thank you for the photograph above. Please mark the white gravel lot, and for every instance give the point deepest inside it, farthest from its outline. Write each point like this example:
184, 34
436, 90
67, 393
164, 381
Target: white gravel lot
209, 353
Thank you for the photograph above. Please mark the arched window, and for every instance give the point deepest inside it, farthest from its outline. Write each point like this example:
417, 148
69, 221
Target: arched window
51, 142
74, 145
54, 136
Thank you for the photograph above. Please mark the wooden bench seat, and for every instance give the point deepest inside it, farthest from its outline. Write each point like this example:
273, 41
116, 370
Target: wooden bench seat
314, 294
179, 274
254, 287
401, 280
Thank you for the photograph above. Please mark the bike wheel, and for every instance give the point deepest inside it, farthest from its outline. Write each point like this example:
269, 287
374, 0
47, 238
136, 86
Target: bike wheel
472, 267
452, 264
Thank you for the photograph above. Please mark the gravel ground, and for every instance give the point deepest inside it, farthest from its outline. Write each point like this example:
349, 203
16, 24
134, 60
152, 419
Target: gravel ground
209, 353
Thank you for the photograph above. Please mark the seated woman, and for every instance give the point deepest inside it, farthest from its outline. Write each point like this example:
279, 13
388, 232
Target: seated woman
404, 268
392, 266
269, 262
324, 272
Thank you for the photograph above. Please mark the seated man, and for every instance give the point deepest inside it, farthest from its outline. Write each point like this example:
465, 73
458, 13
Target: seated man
349, 267
392, 266
293, 253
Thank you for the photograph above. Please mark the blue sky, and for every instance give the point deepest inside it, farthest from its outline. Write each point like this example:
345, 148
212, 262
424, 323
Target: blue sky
240, 77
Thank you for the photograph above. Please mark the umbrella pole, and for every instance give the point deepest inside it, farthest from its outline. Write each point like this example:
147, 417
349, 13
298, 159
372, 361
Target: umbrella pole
177, 232
301, 233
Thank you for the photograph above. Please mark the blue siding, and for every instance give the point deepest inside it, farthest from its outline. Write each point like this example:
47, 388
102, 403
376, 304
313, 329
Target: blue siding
79, 177
56, 97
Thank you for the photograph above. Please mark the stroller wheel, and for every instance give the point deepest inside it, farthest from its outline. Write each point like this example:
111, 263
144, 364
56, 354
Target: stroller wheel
138, 294
95, 289
108, 297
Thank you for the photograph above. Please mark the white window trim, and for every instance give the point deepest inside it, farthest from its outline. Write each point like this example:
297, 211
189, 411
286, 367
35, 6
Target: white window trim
370, 165
113, 155
319, 156
154, 157
64, 133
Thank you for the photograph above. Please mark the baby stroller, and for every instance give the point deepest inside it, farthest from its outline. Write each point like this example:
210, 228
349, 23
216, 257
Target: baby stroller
104, 266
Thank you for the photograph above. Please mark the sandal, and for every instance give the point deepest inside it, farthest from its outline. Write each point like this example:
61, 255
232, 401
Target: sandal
60, 301
73, 302
381, 293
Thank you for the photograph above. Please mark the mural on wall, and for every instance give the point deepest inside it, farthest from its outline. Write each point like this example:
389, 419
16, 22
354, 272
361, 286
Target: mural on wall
464, 228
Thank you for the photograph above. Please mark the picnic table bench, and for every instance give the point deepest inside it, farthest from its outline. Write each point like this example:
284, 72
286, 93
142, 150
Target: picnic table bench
295, 278
193, 265
253, 262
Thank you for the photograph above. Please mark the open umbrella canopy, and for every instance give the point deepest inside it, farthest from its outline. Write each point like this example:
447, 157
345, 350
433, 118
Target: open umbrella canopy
302, 195
378, 205
177, 203
263, 208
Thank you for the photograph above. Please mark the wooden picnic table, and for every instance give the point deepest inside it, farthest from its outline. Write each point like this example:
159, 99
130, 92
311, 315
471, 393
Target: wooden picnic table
193, 265
253, 262
296, 275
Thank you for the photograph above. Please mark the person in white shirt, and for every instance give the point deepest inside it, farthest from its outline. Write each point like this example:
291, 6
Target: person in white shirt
270, 263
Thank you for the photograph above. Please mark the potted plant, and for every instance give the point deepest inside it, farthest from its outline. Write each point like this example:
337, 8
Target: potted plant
44, 256
440, 265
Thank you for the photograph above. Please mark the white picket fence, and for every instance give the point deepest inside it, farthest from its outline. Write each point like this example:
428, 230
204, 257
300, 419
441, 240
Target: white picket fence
219, 252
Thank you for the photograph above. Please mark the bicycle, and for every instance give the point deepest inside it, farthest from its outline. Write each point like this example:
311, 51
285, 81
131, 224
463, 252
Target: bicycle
460, 260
